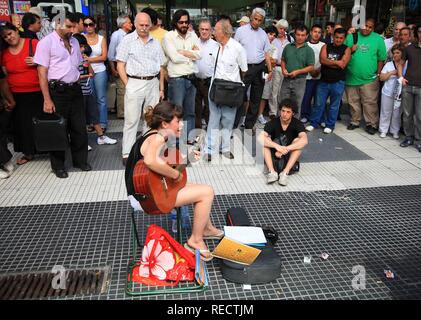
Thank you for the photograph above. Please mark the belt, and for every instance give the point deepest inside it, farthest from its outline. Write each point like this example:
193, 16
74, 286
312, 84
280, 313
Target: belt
59, 83
188, 77
204, 79
143, 78
255, 64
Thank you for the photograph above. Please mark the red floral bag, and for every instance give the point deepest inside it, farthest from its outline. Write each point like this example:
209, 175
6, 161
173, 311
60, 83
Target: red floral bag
164, 261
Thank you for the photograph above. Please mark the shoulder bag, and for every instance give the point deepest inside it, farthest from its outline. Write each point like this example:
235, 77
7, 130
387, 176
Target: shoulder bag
225, 92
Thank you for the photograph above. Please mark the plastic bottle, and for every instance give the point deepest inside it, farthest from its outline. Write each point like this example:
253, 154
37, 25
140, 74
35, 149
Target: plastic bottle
185, 218
174, 221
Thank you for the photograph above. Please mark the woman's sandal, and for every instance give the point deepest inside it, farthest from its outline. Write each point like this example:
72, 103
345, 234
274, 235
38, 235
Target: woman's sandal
218, 236
24, 159
206, 258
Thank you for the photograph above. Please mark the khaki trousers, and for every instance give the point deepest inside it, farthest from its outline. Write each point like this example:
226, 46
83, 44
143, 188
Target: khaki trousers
121, 90
363, 100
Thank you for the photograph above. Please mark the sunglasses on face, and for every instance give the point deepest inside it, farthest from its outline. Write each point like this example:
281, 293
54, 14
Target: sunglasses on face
183, 22
89, 25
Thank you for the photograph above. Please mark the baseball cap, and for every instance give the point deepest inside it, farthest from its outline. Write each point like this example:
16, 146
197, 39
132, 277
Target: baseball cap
244, 19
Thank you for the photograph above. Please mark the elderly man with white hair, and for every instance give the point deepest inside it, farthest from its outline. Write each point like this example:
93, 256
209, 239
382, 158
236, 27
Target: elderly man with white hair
125, 26
230, 61
280, 43
139, 63
256, 43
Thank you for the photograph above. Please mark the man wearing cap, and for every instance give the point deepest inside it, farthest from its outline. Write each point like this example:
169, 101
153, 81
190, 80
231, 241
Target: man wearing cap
243, 21
280, 43
256, 43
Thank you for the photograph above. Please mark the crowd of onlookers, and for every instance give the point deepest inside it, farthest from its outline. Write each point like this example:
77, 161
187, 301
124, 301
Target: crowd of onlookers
316, 68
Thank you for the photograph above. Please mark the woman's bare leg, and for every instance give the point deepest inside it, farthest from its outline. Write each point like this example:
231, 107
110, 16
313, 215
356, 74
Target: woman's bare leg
202, 198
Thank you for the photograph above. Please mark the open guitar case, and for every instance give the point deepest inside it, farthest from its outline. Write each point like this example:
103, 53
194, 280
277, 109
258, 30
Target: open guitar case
266, 267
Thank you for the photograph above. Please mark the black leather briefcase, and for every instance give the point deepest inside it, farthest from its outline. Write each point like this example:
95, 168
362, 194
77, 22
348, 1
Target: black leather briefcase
50, 132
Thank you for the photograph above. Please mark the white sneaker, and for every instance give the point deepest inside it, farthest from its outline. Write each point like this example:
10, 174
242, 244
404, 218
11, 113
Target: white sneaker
309, 128
261, 119
271, 177
243, 121
106, 140
9, 167
89, 148
327, 130
323, 124
4, 174
304, 120
283, 179
382, 134
396, 136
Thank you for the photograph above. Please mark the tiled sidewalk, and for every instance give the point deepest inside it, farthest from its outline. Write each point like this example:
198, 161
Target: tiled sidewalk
356, 197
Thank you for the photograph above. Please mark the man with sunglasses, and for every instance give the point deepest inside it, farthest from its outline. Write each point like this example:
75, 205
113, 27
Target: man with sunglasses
58, 58
182, 50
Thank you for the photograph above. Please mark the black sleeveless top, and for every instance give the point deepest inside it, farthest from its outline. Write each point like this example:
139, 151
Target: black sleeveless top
133, 158
334, 53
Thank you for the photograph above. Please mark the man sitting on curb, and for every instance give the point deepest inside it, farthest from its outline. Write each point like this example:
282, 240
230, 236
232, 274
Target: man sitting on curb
283, 139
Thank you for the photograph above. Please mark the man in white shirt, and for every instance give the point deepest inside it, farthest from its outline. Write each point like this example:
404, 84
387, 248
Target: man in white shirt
139, 63
125, 25
280, 43
231, 59
182, 50
390, 42
313, 77
206, 67
256, 43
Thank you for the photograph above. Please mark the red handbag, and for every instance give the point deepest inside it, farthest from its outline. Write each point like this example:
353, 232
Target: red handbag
164, 261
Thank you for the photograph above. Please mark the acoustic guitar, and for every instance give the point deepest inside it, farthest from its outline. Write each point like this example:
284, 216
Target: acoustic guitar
158, 193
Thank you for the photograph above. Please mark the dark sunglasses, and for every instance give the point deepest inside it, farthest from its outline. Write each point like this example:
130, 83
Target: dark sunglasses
89, 24
183, 22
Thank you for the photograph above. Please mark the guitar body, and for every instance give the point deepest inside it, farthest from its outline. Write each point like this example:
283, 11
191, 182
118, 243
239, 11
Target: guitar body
160, 192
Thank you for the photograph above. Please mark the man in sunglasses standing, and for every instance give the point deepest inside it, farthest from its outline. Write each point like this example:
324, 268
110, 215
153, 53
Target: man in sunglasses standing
58, 58
182, 50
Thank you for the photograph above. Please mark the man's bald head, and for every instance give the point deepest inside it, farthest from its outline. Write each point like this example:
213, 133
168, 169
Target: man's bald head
398, 27
142, 16
143, 24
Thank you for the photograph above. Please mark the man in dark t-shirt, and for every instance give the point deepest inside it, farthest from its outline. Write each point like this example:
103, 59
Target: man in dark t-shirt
283, 139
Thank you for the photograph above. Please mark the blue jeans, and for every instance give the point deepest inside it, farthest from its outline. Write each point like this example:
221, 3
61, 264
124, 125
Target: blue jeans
335, 91
100, 83
311, 88
182, 92
221, 120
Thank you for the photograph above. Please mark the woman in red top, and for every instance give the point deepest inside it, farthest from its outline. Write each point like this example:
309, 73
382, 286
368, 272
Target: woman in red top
22, 77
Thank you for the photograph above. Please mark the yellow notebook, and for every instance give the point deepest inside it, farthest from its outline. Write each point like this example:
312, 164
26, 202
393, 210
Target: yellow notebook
232, 250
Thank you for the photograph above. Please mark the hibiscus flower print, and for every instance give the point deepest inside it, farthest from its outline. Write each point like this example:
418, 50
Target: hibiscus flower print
156, 263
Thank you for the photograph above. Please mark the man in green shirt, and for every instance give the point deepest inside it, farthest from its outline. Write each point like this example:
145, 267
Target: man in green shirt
362, 84
297, 61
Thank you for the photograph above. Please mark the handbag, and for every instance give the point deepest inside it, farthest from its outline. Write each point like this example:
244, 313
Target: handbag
226, 93
50, 132
164, 261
